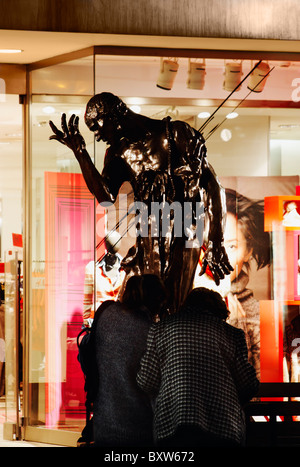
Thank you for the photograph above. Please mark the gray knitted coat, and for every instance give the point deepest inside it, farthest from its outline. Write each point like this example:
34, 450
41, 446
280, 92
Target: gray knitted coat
196, 365
122, 412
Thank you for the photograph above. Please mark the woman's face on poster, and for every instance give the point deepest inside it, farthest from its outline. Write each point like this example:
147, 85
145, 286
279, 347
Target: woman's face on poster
235, 245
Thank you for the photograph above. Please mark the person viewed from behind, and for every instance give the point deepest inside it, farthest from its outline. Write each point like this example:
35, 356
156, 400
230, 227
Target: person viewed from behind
122, 411
196, 368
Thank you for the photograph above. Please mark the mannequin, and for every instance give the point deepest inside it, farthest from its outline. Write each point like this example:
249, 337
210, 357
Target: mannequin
291, 218
108, 281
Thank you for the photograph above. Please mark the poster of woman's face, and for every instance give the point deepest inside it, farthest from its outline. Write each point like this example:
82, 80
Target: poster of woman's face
245, 196
250, 252
236, 246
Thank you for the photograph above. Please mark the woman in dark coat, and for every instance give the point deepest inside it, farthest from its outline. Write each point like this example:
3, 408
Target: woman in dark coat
123, 414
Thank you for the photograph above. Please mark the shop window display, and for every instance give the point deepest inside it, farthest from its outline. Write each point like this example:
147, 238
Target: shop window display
282, 220
61, 252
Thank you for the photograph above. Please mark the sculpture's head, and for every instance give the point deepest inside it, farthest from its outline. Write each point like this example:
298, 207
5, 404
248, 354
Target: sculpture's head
103, 116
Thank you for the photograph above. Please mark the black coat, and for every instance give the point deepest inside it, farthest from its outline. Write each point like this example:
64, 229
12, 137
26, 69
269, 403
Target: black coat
122, 411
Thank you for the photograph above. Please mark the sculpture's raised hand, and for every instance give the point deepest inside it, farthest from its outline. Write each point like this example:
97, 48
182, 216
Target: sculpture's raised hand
216, 259
70, 134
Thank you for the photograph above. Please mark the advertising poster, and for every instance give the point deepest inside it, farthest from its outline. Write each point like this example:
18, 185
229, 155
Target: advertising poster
255, 292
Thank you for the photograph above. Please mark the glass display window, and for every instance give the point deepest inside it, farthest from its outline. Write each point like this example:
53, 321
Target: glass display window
62, 225
251, 133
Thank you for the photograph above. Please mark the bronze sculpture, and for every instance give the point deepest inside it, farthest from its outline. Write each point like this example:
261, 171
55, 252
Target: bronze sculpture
165, 162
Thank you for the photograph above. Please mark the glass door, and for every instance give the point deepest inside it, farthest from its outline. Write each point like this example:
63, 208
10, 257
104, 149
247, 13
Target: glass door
62, 242
11, 265
13, 344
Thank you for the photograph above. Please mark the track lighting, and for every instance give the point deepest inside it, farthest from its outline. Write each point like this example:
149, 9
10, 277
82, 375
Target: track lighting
257, 81
167, 74
232, 76
196, 75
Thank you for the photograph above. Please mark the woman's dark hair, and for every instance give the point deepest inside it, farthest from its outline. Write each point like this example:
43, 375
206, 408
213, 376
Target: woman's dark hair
132, 297
153, 294
250, 216
206, 301
145, 292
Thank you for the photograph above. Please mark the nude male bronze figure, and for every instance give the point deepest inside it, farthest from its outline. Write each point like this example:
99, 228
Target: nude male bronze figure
165, 162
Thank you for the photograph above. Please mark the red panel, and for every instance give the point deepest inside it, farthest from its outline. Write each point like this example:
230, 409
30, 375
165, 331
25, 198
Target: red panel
17, 240
69, 246
271, 341
273, 211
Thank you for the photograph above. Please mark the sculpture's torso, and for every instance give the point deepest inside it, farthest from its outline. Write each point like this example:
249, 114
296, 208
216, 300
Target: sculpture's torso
162, 169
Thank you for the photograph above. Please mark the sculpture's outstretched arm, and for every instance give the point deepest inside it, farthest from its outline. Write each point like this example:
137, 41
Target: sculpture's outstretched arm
103, 186
215, 256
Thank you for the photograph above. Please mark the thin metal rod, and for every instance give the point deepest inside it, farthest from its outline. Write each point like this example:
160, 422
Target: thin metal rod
251, 90
115, 227
222, 103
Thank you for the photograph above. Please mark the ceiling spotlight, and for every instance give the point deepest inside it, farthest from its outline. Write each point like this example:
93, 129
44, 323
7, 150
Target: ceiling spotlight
203, 115
10, 51
167, 74
196, 75
232, 115
48, 109
232, 76
226, 135
257, 81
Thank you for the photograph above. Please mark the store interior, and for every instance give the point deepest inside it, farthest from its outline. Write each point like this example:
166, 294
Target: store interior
252, 135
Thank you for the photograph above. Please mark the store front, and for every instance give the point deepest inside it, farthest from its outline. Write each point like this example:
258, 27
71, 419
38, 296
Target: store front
253, 143
12, 91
